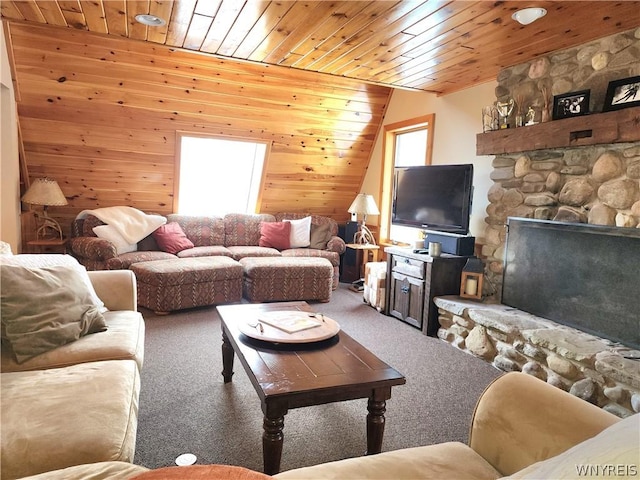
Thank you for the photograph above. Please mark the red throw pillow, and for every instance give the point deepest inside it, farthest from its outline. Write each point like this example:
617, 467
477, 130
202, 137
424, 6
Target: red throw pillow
275, 235
171, 238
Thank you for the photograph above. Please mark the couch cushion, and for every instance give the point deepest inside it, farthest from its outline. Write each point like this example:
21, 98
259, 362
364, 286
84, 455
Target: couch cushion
315, 220
43, 308
169, 285
211, 251
444, 461
60, 417
148, 243
613, 453
123, 340
182, 271
239, 252
201, 230
333, 257
171, 238
124, 261
281, 279
242, 229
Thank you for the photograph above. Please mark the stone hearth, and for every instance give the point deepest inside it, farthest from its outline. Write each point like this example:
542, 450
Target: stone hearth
597, 370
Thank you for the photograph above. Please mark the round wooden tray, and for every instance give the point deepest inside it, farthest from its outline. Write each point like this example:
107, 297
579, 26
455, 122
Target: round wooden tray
259, 329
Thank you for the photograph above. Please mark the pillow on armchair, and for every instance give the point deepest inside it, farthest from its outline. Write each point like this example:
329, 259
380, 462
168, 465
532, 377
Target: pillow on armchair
44, 308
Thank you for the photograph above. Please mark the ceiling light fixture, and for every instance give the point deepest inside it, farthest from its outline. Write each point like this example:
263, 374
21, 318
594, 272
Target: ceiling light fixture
150, 20
528, 15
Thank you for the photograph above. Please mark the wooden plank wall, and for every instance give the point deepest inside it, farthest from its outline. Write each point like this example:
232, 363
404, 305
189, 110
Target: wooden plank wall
100, 114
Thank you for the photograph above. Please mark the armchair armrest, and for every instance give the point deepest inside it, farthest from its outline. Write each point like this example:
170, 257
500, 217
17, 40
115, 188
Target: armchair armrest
336, 244
520, 420
93, 248
116, 288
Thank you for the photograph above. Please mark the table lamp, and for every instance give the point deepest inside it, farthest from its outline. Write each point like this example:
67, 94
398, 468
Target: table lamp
364, 205
45, 191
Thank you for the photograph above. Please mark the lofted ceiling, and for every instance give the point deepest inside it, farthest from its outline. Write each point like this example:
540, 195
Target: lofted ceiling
434, 45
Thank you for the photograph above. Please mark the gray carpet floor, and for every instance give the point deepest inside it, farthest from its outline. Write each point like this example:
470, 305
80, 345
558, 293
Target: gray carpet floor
186, 407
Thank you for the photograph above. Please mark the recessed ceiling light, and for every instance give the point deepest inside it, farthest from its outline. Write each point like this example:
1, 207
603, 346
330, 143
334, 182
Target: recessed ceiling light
529, 15
150, 20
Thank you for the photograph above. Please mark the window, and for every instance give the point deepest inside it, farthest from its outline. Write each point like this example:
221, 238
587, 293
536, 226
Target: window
216, 176
405, 144
411, 148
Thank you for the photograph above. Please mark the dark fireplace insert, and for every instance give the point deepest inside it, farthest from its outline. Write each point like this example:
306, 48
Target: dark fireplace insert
583, 276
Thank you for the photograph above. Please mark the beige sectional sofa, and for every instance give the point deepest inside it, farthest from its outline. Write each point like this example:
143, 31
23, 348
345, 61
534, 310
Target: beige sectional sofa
522, 428
77, 403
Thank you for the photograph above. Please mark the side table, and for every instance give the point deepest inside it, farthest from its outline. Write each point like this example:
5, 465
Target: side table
52, 245
365, 252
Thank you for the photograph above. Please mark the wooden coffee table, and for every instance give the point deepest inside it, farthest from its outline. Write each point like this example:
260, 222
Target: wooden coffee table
289, 376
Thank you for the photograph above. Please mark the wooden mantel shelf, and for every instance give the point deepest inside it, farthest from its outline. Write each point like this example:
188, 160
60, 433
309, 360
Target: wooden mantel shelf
595, 129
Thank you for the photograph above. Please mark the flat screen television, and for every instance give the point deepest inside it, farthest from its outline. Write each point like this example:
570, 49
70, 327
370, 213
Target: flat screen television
433, 197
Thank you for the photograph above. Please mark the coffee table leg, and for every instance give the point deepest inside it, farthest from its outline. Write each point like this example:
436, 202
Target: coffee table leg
375, 423
272, 439
227, 358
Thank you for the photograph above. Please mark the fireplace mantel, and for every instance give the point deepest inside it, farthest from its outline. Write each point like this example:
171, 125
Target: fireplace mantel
619, 126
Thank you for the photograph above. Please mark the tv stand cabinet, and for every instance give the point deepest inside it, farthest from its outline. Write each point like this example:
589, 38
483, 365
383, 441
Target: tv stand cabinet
413, 280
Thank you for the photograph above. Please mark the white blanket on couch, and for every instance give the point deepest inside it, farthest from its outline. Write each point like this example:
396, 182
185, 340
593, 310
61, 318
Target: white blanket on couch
132, 224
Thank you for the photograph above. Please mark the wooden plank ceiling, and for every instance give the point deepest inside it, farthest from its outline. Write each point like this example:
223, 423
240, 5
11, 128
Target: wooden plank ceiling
435, 45
101, 114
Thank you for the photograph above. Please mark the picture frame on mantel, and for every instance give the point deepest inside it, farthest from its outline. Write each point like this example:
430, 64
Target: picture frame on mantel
572, 104
623, 93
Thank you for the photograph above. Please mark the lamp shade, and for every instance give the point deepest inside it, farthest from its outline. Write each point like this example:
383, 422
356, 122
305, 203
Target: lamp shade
44, 191
364, 205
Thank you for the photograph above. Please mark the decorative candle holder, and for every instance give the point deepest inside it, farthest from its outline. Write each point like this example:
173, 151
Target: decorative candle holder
472, 279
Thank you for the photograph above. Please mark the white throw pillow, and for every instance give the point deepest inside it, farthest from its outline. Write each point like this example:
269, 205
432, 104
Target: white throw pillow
110, 233
300, 232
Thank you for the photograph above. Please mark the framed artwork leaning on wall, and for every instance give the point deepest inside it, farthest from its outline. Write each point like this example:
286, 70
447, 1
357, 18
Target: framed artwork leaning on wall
622, 93
571, 104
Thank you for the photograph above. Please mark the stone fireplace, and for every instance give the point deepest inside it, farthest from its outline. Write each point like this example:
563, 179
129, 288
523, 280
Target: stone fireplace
591, 178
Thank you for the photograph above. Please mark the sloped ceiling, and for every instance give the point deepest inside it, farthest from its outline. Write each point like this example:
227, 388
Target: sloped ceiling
101, 114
